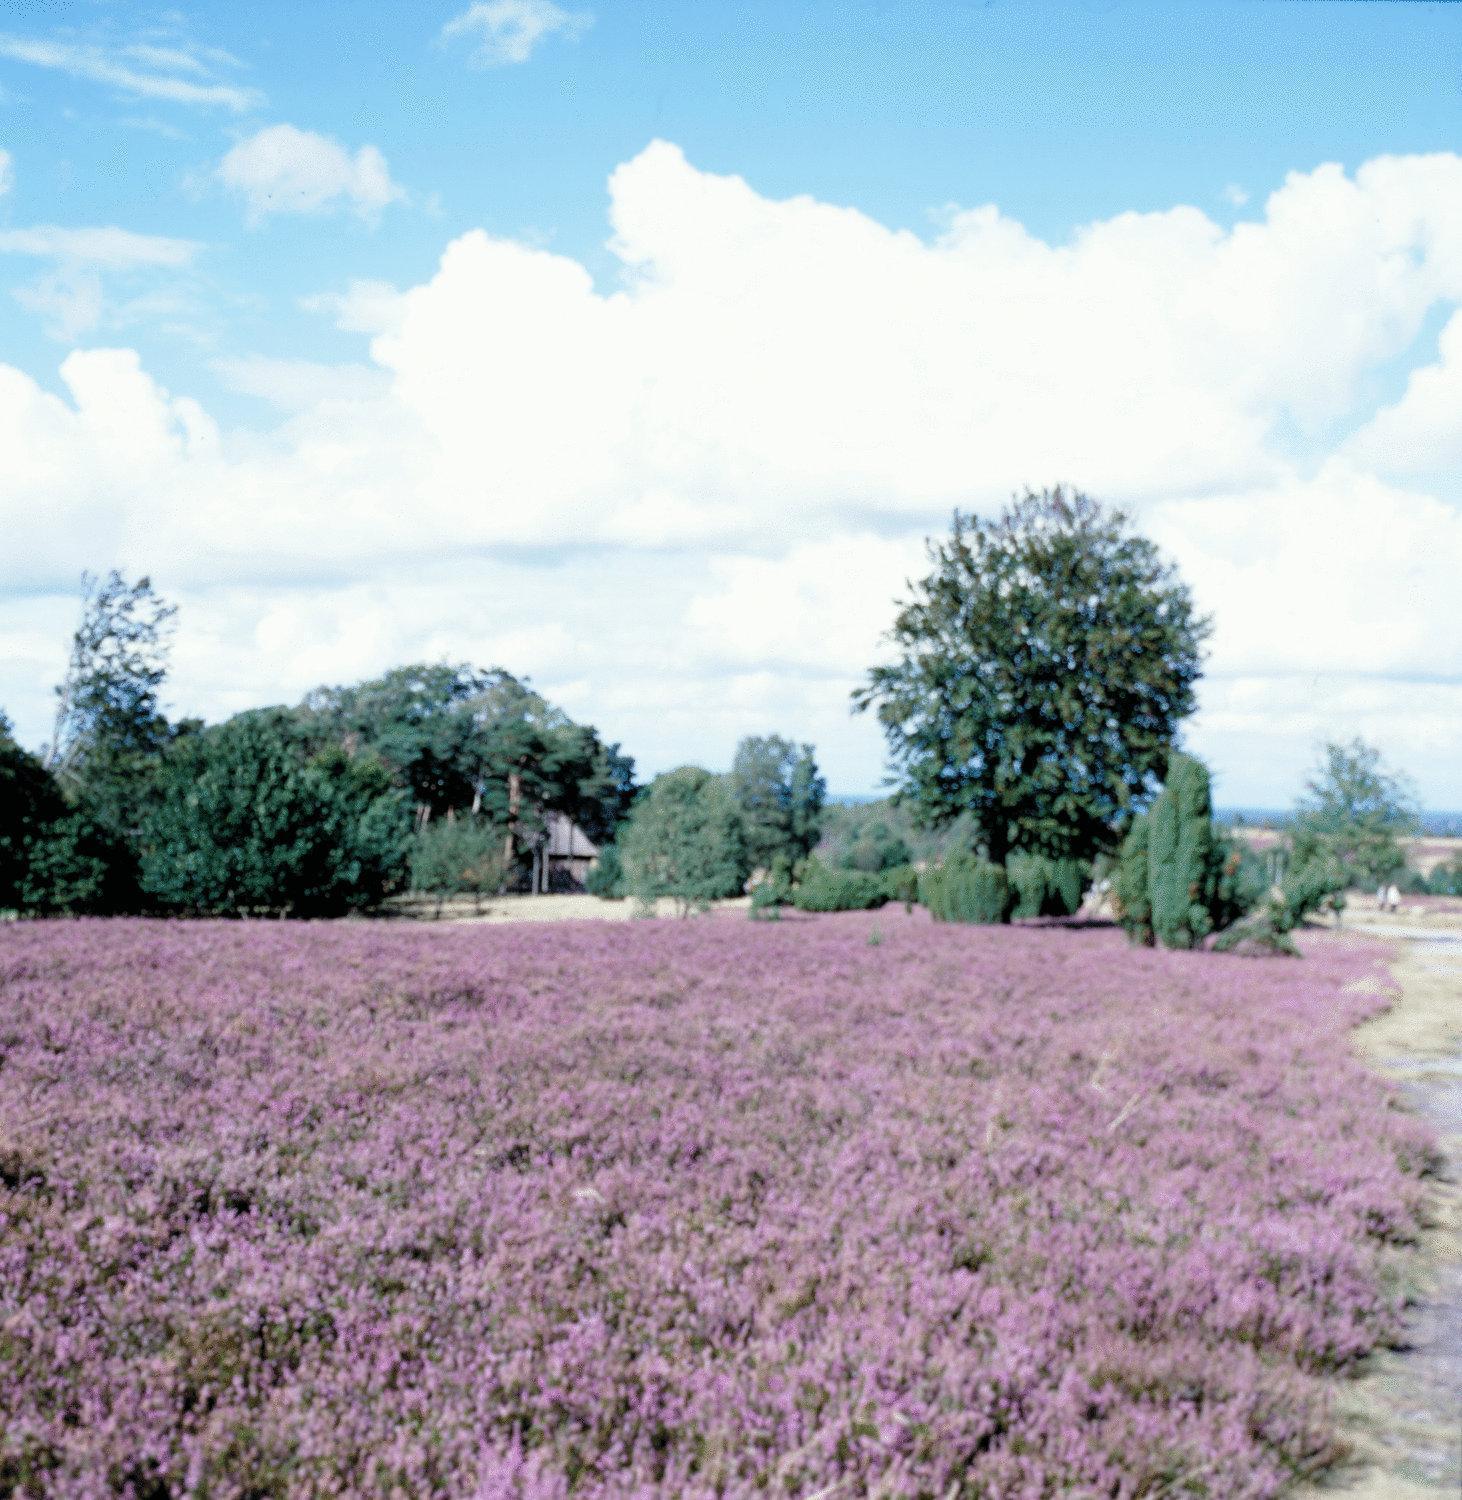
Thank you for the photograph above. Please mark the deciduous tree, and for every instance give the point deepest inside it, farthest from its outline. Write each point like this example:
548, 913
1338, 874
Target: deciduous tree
1042, 669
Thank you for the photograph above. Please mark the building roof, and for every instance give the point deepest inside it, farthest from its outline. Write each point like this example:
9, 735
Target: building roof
566, 840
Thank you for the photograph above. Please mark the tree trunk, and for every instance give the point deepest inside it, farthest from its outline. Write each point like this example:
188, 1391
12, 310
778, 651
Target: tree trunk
515, 795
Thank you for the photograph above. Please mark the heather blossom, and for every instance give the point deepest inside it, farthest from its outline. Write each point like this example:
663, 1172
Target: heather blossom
705, 1208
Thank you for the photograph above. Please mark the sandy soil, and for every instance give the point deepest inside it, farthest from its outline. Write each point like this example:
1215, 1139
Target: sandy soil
1404, 1414
564, 908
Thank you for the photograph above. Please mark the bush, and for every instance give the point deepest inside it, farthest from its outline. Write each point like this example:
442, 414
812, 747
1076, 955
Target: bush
901, 884
966, 889
1130, 886
606, 879
245, 821
458, 856
875, 848
1188, 882
53, 859
684, 839
1446, 880
820, 888
1177, 875
1046, 887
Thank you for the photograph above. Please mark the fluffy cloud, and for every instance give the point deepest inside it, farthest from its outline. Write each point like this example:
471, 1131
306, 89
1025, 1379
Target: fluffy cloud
507, 31
283, 170
686, 502
174, 75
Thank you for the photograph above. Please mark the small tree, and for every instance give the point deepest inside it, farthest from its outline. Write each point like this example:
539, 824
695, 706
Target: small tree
1177, 877
457, 856
606, 878
1356, 813
684, 839
108, 719
247, 821
966, 889
780, 794
1046, 887
1043, 667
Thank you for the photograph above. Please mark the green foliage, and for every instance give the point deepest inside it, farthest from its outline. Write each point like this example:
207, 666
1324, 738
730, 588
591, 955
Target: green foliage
108, 699
485, 743
967, 889
774, 891
1356, 812
1130, 884
1446, 879
870, 835
1188, 879
820, 888
455, 856
875, 848
1044, 666
780, 794
684, 839
246, 821
606, 879
1046, 887
53, 859
1177, 873
900, 884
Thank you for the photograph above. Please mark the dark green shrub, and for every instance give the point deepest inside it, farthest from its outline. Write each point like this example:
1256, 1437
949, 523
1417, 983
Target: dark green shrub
1188, 882
875, 848
1130, 884
822, 889
684, 839
901, 884
774, 891
458, 856
246, 821
1446, 880
1046, 887
53, 858
606, 879
966, 889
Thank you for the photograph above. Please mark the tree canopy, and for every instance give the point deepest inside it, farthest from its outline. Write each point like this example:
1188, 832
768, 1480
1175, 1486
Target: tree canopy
684, 839
780, 794
1042, 669
1356, 812
245, 820
460, 739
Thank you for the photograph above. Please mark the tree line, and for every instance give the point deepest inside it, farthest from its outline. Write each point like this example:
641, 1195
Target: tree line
1032, 706
437, 778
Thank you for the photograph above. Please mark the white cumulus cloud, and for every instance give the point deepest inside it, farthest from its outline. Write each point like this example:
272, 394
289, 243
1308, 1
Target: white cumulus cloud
690, 497
282, 169
507, 31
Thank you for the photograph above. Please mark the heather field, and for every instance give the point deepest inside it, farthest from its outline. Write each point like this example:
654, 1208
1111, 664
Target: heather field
839, 1206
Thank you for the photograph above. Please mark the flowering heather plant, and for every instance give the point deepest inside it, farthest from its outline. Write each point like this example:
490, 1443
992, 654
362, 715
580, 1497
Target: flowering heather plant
690, 1209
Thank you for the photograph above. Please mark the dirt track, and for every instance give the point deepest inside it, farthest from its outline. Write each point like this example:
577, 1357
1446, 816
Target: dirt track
1404, 1415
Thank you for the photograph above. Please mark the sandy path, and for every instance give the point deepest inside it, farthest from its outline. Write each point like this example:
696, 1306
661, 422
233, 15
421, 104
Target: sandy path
1404, 1416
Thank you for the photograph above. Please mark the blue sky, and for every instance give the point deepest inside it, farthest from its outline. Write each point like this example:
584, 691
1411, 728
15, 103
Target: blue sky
636, 346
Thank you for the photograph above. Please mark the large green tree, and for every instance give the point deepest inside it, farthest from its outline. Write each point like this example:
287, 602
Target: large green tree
780, 794
1041, 671
248, 820
684, 839
483, 743
1355, 813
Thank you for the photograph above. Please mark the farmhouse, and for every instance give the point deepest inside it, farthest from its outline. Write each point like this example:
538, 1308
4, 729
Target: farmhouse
569, 853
